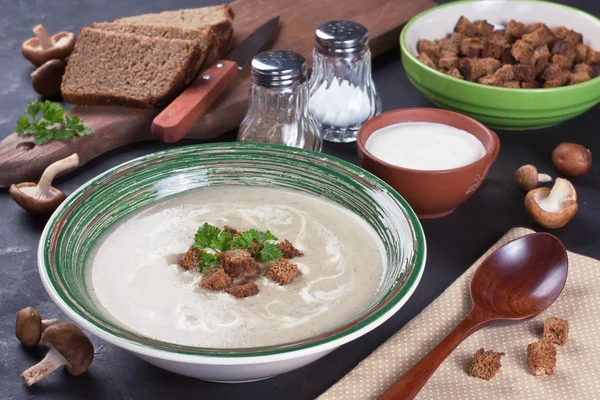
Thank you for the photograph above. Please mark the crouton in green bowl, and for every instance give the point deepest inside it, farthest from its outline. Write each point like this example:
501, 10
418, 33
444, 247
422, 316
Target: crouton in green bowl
499, 77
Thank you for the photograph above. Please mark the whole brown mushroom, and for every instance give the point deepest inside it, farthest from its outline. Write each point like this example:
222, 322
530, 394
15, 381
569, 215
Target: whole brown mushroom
69, 347
43, 198
571, 159
46, 80
552, 208
527, 177
43, 47
29, 326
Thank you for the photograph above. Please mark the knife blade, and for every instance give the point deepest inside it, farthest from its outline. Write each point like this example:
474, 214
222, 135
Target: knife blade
178, 117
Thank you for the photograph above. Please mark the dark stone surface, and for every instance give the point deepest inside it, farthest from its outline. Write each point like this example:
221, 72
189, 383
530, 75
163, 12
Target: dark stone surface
454, 242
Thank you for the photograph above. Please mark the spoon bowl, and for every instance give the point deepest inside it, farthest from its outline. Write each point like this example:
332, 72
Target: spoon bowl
516, 282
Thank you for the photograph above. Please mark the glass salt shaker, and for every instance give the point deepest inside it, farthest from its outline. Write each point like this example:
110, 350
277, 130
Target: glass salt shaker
278, 111
342, 91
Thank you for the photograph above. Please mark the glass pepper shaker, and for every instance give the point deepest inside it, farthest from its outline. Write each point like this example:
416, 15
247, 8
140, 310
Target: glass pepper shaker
342, 91
278, 111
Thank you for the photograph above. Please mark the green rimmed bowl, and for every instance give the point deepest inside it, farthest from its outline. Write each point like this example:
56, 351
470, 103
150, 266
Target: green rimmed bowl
501, 108
91, 210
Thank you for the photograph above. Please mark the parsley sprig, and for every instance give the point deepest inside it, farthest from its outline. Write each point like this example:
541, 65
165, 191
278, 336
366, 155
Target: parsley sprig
46, 121
211, 237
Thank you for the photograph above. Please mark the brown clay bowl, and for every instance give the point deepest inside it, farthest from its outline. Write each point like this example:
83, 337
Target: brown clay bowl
432, 194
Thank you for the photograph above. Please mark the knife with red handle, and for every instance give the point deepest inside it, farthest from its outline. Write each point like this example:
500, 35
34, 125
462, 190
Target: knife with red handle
178, 117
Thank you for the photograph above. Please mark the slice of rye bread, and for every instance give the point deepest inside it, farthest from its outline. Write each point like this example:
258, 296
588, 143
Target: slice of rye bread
129, 70
204, 37
218, 18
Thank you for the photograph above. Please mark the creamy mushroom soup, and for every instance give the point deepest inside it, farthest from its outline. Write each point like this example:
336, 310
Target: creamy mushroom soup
134, 276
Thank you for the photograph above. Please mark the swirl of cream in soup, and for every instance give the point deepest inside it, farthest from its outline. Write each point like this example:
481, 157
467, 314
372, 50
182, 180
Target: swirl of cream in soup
134, 275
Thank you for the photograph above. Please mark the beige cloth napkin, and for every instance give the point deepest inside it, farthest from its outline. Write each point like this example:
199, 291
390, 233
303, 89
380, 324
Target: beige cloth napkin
577, 375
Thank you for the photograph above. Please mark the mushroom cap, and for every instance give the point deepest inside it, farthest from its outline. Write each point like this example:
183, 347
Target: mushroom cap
64, 42
572, 159
28, 327
72, 344
46, 80
527, 177
556, 214
26, 195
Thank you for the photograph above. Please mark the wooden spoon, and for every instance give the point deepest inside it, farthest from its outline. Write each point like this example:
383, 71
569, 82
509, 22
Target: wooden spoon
516, 282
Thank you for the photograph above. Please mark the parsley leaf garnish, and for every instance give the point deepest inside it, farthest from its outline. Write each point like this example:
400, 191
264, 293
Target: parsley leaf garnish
222, 242
46, 121
270, 252
205, 235
208, 260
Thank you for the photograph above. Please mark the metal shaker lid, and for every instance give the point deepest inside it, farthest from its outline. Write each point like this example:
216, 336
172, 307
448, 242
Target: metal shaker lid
279, 69
341, 38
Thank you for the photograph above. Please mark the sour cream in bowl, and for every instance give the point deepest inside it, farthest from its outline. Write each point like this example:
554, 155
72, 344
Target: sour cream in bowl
436, 159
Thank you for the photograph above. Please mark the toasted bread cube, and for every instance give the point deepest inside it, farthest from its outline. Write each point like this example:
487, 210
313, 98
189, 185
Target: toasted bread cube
191, 259
449, 63
568, 50
505, 73
425, 59
465, 27
430, 48
514, 31
511, 84
524, 72
593, 57
554, 76
573, 37
582, 53
483, 28
541, 57
447, 54
533, 27
282, 271
455, 38
531, 85
474, 68
490, 80
215, 279
522, 52
495, 47
471, 47
239, 263
585, 68
449, 48
454, 72
245, 290
562, 61
556, 330
560, 32
231, 230
486, 364
507, 57
288, 249
541, 358
541, 36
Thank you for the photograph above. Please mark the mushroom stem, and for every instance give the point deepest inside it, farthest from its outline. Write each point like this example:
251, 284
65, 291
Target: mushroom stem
54, 169
543, 178
49, 364
48, 322
43, 36
561, 192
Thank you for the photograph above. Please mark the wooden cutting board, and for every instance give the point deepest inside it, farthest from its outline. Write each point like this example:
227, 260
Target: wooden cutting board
21, 160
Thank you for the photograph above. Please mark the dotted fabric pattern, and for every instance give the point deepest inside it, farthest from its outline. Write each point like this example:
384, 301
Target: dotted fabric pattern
577, 370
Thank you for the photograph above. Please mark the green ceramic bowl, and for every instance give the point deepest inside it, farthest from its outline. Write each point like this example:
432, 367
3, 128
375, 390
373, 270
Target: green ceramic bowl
91, 210
502, 108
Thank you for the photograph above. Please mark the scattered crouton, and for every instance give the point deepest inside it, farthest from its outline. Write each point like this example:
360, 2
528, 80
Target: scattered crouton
522, 52
231, 230
449, 62
539, 37
245, 290
505, 73
541, 358
567, 50
573, 37
495, 47
450, 47
430, 48
215, 279
282, 271
454, 72
585, 68
533, 27
514, 31
593, 57
582, 53
486, 364
524, 72
562, 61
288, 249
191, 259
560, 32
541, 59
239, 263
556, 330
465, 27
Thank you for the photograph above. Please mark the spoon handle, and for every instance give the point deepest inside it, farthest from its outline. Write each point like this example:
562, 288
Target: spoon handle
411, 383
